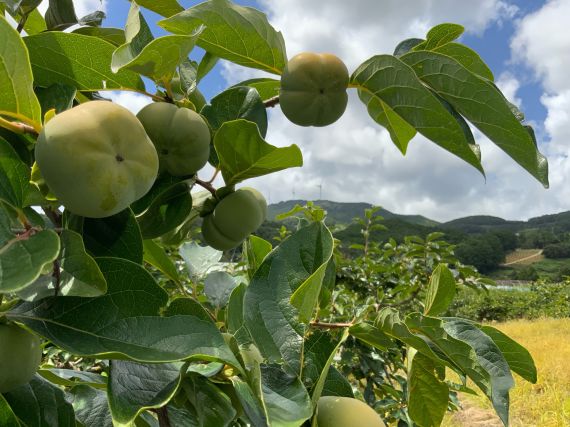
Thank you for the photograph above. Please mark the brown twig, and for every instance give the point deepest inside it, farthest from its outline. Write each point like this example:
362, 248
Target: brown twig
163, 420
324, 325
56, 276
207, 185
54, 215
271, 102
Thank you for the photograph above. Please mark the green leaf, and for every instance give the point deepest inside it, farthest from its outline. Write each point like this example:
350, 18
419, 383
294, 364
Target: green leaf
199, 259
35, 23
156, 256
15, 187
207, 63
489, 356
270, 318
266, 87
244, 154
218, 285
115, 36
58, 96
187, 306
249, 402
428, 395
158, 59
165, 8
482, 104
371, 335
239, 34
134, 387
306, 296
319, 352
60, 15
406, 45
235, 311
440, 291
214, 408
114, 236
77, 60
237, 103
72, 378
91, 406
166, 212
7, 416
286, 399
234, 103
16, 80
255, 249
336, 384
125, 322
39, 404
518, 357
80, 275
23, 257
466, 57
442, 34
385, 80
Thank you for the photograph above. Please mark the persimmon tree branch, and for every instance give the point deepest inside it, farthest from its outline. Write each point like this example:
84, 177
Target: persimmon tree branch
18, 127
325, 325
207, 185
271, 102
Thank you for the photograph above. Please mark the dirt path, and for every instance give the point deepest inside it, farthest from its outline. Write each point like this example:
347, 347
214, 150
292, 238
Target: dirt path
524, 259
472, 416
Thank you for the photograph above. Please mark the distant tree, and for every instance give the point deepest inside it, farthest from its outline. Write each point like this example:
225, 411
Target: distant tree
526, 273
508, 239
557, 251
484, 252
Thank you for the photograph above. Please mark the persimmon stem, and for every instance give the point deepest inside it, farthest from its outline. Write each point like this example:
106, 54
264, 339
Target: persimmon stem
163, 420
271, 102
207, 185
217, 171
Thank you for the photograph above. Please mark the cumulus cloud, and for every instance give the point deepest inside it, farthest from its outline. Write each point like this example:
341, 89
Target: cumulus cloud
133, 101
354, 159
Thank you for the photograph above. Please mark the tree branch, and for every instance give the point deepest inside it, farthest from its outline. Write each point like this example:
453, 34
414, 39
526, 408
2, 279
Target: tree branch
18, 127
271, 102
163, 420
207, 185
323, 325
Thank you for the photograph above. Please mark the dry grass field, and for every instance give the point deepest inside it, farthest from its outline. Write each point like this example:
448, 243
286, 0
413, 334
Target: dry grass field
544, 404
524, 256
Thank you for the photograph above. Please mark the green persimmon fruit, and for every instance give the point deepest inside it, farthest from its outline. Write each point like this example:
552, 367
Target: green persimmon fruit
20, 356
313, 89
180, 135
96, 158
334, 411
234, 218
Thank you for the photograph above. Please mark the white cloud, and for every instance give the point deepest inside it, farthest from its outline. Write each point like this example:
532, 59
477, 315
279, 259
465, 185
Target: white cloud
133, 101
82, 7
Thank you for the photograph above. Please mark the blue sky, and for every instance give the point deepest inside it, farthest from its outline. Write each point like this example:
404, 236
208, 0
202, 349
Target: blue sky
526, 44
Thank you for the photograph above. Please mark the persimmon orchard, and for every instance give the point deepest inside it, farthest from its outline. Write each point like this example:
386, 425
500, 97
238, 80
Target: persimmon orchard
142, 318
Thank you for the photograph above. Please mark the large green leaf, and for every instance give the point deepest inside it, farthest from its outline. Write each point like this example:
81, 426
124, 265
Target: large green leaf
114, 236
466, 57
60, 15
286, 400
165, 8
266, 87
72, 378
244, 154
155, 255
482, 104
218, 286
115, 36
80, 275
7, 416
428, 395
518, 357
77, 60
125, 322
240, 102
41, 404
396, 98
25, 255
16, 80
213, 408
239, 34
319, 352
235, 103
15, 187
269, 316
336, 384
57, 96
249, 402
371, 335
134, 387
166, 212
441, 34
255, 249
91, 406
440, 291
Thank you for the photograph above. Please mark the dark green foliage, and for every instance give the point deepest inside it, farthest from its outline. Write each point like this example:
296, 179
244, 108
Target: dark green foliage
485, 252
557, 250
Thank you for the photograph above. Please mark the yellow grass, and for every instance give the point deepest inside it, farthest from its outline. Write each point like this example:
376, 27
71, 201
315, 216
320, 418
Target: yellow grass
524, 257
546, 403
